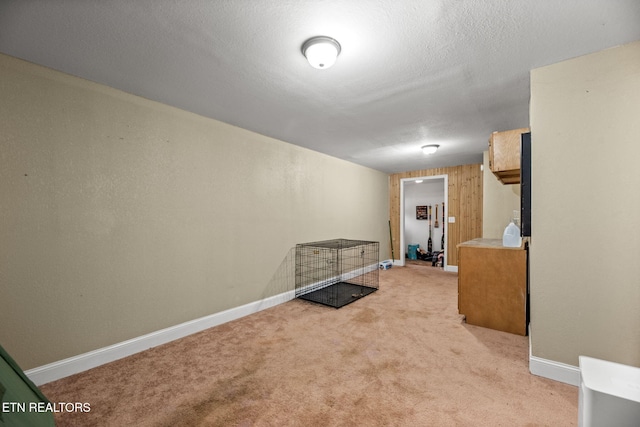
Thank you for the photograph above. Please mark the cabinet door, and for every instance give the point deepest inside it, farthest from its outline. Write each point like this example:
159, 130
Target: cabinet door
492, 288
504, 155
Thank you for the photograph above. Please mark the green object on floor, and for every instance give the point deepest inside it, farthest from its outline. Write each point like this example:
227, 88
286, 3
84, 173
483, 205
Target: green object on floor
19, 397
413, 251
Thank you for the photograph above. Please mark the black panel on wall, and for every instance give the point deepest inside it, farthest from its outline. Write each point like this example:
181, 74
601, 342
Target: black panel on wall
525, 184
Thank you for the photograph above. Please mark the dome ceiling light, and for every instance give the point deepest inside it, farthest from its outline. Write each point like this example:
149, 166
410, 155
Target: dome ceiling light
321, 51
430, 149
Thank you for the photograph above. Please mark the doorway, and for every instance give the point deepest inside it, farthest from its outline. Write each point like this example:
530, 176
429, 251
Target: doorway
423, 191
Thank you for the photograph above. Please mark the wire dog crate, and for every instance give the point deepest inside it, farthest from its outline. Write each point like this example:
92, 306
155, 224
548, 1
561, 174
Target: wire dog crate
336, 272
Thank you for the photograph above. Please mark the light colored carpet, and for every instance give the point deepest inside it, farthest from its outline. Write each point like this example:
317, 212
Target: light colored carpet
401, 356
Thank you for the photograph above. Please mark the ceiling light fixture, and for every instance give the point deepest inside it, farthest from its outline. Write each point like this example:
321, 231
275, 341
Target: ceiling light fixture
430, 149
321, 51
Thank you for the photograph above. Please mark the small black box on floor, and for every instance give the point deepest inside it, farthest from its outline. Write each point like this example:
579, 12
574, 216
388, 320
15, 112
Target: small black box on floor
336, 272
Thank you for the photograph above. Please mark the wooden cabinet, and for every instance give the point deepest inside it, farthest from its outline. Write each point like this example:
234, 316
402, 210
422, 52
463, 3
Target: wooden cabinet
492, 285
504, 155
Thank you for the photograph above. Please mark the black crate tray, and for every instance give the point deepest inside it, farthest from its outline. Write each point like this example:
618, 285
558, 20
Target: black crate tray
338, 295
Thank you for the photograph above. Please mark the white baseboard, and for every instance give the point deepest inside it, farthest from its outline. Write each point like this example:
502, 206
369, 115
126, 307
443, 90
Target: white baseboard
551, 369
450, 268
557, 371
82, 362
54, 371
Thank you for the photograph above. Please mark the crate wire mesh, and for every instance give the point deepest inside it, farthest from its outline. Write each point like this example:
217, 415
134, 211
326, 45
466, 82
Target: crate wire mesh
336, 272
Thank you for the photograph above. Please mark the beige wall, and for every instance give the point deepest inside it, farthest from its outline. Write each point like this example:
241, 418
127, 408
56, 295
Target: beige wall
498, 203
121, 216
585, 251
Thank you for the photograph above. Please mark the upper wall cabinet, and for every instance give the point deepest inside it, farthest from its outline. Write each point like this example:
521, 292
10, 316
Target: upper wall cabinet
504, 155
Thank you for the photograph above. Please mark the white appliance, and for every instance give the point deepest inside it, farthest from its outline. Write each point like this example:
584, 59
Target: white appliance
609, 394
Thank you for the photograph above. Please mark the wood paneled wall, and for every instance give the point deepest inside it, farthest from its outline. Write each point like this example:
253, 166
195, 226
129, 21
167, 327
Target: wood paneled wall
465, 204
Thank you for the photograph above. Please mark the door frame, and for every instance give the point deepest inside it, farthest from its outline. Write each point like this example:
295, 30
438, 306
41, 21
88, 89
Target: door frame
401, 261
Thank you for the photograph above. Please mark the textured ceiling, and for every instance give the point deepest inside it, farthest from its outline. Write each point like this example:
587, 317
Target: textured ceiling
411, 72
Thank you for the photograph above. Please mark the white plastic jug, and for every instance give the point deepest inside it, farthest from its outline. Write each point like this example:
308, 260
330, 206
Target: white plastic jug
511, 237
